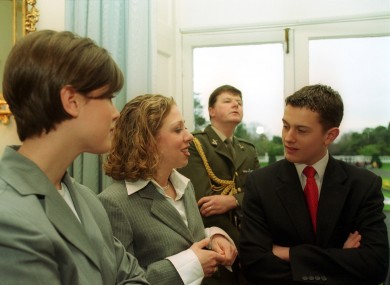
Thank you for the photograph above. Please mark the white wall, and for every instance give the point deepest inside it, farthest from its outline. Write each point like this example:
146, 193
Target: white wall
202, 14
52, 16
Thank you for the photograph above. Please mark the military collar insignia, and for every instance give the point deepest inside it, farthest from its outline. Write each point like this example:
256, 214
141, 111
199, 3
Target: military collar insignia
241, 146
214, 142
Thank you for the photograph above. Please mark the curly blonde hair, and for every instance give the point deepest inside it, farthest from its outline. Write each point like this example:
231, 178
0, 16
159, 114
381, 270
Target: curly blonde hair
134, 154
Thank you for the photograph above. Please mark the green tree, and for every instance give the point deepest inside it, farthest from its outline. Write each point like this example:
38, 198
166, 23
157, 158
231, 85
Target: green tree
242, 132
200, 121
369, 142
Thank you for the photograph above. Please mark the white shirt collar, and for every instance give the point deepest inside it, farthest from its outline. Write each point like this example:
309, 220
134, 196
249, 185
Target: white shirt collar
319, 166
221, 135
179, 182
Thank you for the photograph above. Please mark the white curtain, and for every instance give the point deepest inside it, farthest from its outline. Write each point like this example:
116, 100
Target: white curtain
123, 28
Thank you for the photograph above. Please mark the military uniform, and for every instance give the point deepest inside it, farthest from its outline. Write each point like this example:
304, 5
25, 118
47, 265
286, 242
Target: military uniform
224, 167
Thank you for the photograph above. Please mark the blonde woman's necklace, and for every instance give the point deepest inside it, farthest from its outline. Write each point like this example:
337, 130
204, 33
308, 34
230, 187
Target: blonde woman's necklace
166, 187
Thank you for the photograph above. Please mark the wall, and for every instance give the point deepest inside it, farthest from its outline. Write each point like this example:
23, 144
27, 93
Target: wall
6, 11
202, 14
51, 17
52, 14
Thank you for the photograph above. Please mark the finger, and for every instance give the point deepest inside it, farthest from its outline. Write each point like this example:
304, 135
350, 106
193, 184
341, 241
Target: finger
231, 255
221, 259
356, 238
211, 271
202, 243
206, 209
203, 200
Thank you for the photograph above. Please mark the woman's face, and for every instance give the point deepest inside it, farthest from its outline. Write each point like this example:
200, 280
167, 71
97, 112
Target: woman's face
173, 140
97, 118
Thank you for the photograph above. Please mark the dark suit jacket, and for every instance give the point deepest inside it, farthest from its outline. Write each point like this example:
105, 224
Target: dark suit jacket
275, 213
223, 167
41, 240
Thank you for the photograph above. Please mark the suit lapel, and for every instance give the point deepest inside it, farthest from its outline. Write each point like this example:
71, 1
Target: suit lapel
333, 196
239, 149
165, 212
216, 142
290, 193
193, 217
66, 223
55, 207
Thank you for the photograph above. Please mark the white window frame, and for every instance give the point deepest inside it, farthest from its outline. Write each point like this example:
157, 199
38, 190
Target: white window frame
296, 62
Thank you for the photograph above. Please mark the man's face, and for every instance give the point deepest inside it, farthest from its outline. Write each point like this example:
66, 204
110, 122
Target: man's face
227, 109
304, 138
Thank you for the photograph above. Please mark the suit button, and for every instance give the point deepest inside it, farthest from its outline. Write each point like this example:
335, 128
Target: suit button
239, 190
317, 277
323, 278
304, 278
311, 277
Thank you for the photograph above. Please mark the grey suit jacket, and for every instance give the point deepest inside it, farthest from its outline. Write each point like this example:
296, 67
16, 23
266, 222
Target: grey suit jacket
41, 240
275, 213
151, 228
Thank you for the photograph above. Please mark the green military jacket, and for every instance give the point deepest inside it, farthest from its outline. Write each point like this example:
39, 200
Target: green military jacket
224, 167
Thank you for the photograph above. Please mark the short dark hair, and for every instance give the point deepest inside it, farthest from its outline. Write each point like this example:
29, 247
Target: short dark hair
41, 64
222, 89
321, 99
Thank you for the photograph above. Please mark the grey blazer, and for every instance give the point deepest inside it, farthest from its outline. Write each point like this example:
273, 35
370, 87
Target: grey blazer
151, 228
41, 240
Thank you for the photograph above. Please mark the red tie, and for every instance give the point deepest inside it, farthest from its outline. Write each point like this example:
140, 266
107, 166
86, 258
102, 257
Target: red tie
311, 194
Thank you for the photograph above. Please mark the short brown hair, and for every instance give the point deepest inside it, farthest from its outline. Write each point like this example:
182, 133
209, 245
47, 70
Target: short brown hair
222, 89
134, 154
321, 99
41, 64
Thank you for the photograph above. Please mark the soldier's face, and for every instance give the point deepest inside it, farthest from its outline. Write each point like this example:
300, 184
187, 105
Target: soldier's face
227, 108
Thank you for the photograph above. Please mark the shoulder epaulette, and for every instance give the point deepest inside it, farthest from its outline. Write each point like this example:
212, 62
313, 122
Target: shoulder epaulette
198, 132
244, 141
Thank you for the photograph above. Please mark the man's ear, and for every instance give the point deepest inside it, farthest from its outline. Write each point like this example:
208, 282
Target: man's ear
69, 99
211, 112
333, 133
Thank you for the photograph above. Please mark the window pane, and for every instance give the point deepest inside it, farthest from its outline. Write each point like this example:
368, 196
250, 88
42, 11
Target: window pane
359, 68
257, 70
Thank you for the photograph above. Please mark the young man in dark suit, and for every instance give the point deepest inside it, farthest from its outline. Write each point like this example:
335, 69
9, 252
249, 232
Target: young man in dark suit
286, 240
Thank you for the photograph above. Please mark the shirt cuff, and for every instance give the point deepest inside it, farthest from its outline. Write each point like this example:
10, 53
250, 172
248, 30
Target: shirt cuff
188, 266
210, 232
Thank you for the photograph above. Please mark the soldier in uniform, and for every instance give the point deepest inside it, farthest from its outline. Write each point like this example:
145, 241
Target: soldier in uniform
219, 164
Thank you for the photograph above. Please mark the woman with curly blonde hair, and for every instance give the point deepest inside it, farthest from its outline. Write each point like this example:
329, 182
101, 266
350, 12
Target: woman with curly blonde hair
151, 206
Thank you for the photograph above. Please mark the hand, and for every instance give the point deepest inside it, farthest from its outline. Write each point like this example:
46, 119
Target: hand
281, 252
221, 245
216, 204
209, 260
353, 240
